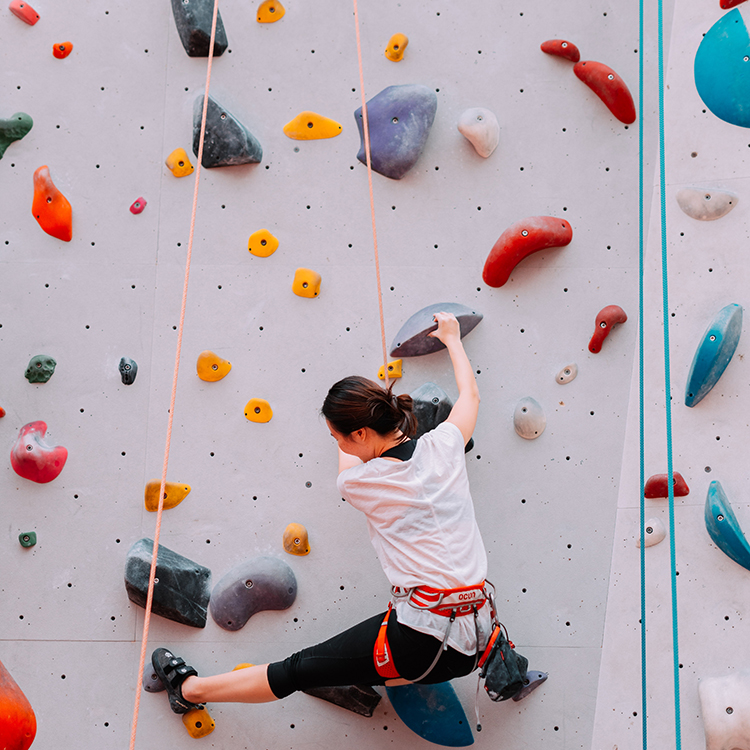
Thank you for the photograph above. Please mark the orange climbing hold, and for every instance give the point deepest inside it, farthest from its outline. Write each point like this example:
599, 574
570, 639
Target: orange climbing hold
21, 9
174, 494
296, 541
306, 283
198, 722
396, 47
211, 367
262, 243
178, 163
50, 207
258, 410
243, 665
310, 126
270, 11
395, 369
17, 719
62, 49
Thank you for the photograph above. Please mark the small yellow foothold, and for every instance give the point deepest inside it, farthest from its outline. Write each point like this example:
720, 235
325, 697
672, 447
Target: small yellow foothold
258, 410
179, 163
174, 494
270, 11
243, 665
309, 126
397, 45
296, 541
198, 722
394, 369
211, 367
262, 243
306, 283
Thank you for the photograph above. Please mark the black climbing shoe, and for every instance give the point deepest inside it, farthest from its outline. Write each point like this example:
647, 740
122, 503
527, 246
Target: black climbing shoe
173, 671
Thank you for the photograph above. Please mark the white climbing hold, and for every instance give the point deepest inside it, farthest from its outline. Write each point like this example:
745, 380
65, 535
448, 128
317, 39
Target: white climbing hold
706, 204
654, 532
568, 373
529, 419
480, 127
725, 705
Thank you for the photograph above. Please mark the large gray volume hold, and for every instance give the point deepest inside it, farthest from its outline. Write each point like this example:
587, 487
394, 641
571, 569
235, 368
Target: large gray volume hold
227, 142
432, 405
193, 19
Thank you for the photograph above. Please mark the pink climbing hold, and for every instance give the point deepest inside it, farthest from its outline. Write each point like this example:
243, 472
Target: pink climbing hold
21, 9
658, 486
609, 87
606, 320
138, 205
561, 48
32, 458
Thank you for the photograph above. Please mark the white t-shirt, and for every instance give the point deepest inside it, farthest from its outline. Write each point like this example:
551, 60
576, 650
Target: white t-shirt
421, 521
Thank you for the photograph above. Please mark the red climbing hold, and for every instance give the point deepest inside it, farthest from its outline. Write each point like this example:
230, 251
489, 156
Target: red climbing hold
17, 719
522, 239
561, 48
727, 4
606, 320
658, 486
2, 412
138, 205
62, 49
21, 9
50, 207
609, 87
31, 457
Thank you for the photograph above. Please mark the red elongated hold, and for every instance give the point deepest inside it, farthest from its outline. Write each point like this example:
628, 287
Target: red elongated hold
138, 205
521, 239
609, 87
658, 486
606, 320
50, 207
561, 48
2, 412
62, 49
32, 458
727, 4
17, 719
21, 9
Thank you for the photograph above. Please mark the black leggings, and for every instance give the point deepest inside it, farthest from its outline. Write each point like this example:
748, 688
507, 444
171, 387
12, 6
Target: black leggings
347, 659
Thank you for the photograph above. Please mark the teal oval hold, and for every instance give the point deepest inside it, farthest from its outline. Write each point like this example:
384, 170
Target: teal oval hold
723, 527
722, 69
714, 353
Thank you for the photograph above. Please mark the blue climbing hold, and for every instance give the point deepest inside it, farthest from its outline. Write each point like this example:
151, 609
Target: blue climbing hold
723, 527
433, 712
413, 340
399, 119
722, 69
714, 353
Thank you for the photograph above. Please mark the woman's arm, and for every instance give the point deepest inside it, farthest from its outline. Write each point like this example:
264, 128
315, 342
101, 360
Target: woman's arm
465, 410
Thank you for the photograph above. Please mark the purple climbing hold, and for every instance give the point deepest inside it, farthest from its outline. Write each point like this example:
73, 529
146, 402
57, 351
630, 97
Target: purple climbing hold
252, 586
193, 19
228, 142
399, 119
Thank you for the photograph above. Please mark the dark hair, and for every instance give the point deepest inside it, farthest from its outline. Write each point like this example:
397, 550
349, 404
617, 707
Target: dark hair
356, 402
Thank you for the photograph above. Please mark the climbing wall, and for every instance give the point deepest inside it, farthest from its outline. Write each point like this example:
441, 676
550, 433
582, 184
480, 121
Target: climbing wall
558, 513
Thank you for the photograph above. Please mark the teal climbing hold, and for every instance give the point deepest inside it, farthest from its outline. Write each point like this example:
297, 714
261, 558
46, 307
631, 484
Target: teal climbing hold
433, 712
714, 353
27, 538
227, 142
13, 129
724, 528
413, 340
193, 19
722, 69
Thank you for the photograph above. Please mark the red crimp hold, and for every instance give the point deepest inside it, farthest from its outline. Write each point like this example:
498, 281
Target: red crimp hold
606, 320
138, 205
31, 457
62, 49
658, 486
561, 48
609, 87
727, 4
21, 9
521, 239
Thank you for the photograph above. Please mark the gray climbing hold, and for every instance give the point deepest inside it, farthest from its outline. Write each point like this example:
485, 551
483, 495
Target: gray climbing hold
151, 682
432, 405
13, 129
128, 370
252, 586
40, 368
228, 142
183, 588
399, 119
193, 20
529, 419
567, 374
480, 127
361, 699
412, 340
706, 204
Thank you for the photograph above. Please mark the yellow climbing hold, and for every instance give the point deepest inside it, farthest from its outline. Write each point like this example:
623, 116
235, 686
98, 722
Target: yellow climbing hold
174, 494
270, 11
211, 367
306, 283
262, 243
397, 45
179, 163
309, 126
394, 369
198, 722
243, 665
296, 541
258, 410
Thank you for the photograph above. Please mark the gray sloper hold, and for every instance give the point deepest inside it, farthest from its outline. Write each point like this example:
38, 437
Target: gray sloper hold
412, 340
432, 405
228, 142
193, 19
361, 699
252, 586
399, 120
529, 419
183, 589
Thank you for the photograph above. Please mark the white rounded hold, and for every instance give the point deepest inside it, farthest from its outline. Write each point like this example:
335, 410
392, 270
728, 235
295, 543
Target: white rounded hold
568, 373
654, 532
480, 127
529, 419
706, 204
725, 705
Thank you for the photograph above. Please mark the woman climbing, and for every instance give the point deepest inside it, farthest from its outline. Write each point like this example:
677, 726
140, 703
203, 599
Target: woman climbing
415, 497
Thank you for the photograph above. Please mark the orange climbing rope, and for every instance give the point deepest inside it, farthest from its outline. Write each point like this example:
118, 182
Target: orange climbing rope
366, 131
157, 531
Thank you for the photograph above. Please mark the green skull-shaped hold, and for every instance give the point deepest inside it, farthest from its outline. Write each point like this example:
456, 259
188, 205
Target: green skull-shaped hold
40, 369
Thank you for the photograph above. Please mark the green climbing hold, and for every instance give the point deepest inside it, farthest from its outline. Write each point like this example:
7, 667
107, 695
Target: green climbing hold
40, 369
13, 129
27, 538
